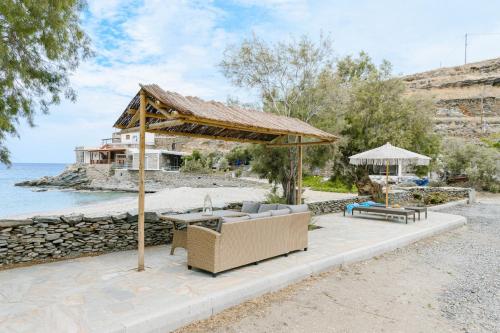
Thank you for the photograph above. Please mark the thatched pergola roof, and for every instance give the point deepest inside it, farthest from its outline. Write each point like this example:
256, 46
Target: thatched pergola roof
171, 113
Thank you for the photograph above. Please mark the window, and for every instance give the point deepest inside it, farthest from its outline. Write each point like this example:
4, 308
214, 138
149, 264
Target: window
127, 137
135, 138
173, 145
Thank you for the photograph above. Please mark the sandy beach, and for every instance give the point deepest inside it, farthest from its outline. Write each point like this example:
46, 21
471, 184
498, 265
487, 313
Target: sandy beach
181, 199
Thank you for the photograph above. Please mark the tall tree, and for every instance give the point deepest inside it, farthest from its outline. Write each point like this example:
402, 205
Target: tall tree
284, 74
41, 43
378, 111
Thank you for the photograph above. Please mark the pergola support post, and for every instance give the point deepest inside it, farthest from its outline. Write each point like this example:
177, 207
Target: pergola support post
142, 153
298, 197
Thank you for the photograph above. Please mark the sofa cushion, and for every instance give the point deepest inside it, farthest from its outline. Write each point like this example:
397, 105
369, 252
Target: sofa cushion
230, 219
250, 207
297, 208
267, 207
260, 215
278, 212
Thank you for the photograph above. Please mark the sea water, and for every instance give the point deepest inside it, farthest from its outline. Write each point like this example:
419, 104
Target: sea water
15, 200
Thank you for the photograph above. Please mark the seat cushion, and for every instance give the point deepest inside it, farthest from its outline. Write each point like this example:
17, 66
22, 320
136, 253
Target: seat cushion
278, 212
230, 219
298, 208
267, 207
260, 215
250, 207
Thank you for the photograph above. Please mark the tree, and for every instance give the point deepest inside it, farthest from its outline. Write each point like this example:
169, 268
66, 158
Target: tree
378, 111
479, 163
41, 43
284, 74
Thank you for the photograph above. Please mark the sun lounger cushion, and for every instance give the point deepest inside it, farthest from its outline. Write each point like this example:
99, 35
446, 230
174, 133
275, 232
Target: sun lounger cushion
250, 207
267, 207
260, 215
278, 212
295, 208
230, 219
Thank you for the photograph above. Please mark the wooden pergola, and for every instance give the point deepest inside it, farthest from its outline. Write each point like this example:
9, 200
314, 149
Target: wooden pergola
157, 111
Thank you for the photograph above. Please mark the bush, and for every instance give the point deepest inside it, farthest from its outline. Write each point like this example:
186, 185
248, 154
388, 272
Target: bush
194, 166
417, 196
273, 197
434, 198
238, 173
317, 183
479, 163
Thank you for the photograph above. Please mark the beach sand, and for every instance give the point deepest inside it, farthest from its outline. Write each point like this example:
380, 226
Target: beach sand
180, 199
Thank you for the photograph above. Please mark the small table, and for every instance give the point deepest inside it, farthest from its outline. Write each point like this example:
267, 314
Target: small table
179, 238
418, 210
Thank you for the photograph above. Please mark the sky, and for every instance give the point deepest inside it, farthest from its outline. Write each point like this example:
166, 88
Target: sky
179, 44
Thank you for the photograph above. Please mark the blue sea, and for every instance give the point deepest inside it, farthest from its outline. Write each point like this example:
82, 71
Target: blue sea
16, 200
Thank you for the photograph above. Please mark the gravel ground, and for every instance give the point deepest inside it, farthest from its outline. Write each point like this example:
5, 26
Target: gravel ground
448, 283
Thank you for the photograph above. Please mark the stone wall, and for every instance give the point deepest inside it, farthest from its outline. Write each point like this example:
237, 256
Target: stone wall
52, 237
44, 238
421, 193
333, 206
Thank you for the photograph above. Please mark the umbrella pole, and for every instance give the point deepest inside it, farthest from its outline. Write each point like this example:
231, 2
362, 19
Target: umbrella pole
387, 184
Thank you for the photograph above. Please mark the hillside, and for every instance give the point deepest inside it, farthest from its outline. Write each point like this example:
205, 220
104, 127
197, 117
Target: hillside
467, 97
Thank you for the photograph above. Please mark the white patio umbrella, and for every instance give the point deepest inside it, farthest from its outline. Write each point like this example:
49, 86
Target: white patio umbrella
388, 155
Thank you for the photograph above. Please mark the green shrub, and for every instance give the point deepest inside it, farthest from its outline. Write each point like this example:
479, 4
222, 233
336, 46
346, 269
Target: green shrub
317, 183
193, 166
479, 163
273, 197
238, 173
417, 196
434, 198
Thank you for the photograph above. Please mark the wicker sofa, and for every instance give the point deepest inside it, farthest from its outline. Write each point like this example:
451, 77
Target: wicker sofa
244, 241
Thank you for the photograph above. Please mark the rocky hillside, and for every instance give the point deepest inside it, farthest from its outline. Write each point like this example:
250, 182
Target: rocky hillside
467, 97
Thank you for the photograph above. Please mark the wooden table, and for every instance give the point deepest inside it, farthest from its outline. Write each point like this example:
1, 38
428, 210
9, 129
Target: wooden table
179, 237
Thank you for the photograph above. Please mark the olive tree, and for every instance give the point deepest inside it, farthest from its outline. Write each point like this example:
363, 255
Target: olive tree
284, 74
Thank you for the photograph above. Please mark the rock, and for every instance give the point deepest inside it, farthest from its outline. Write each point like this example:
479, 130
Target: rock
51, 237
29, 230
47, 219
118, 217
14, 223
72, 219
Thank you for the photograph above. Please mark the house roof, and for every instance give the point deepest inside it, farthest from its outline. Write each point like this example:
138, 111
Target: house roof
171, 113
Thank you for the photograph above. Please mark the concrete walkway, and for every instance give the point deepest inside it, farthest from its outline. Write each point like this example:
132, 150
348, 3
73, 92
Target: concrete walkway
106, 294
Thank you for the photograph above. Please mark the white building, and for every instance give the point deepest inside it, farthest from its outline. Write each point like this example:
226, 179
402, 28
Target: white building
122, 152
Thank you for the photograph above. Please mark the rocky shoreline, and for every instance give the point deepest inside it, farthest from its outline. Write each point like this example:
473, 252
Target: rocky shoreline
103, 178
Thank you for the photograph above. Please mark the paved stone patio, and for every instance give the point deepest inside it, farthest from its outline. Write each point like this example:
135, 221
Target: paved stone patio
106, 294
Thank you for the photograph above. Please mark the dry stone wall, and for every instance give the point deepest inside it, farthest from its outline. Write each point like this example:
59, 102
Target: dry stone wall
52, 237
44, 238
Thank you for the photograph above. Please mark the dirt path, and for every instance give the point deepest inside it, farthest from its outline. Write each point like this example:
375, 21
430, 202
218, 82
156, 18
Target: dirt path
448, 283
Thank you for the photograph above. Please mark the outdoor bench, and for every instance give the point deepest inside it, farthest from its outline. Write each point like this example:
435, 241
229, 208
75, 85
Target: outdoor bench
385, 211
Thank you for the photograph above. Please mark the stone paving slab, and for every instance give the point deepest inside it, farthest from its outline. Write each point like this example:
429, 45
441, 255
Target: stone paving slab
106, 294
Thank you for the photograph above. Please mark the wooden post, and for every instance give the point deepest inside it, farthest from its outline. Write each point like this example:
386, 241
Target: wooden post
299, 174
142, 151
387, 184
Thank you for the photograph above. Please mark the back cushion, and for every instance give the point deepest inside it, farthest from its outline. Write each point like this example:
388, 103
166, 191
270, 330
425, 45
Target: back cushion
250, 207
279, 212
267, 207
298, 208
260, 215
230, 219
